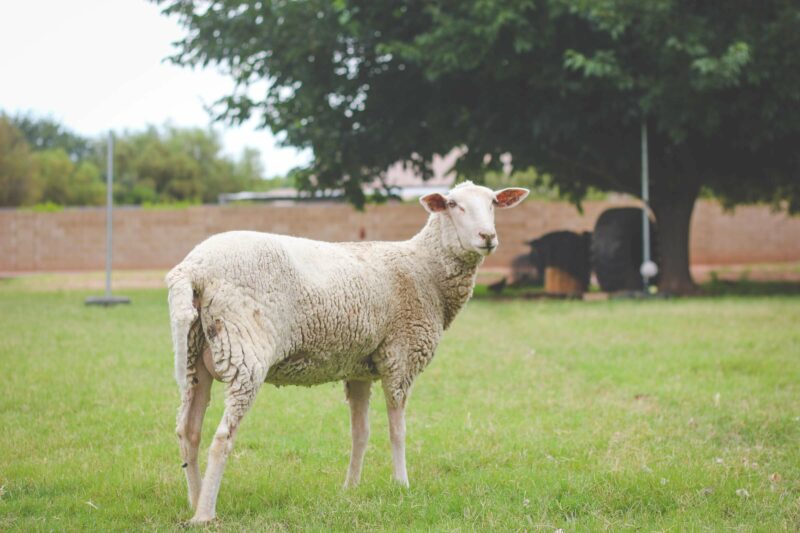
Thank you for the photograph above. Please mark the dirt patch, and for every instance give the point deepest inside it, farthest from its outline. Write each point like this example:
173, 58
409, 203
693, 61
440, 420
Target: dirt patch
154, 279
94, 281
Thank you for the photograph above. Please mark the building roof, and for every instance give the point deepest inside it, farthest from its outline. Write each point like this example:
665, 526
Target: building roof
401, 180
443, 175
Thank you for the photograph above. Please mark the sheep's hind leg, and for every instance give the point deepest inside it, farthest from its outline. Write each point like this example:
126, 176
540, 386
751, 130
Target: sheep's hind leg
190, 424
239, 397
357, 393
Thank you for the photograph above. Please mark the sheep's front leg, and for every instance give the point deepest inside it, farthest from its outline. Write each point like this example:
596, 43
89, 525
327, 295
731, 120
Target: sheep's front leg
396, 408
357, 393
190, 424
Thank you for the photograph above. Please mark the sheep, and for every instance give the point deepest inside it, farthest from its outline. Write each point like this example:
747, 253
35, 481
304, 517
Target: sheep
248, 308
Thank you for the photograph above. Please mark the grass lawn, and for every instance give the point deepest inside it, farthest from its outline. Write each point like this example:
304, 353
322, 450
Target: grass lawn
535, 415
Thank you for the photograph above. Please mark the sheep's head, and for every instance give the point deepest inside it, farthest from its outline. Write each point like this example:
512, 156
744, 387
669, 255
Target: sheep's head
467, 214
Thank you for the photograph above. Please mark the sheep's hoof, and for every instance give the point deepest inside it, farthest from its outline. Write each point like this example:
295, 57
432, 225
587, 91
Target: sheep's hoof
200, 521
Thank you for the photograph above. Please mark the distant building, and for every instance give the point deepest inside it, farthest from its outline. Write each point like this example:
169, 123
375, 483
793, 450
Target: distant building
403, 183
409, 186
282, 196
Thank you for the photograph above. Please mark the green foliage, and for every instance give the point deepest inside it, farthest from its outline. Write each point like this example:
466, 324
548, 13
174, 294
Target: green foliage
168, 206
271, 184
41, 162
542, 186
175, 164
63, 182
16, 167
562, 85
47, 134
533, 416
47, 207
603, 64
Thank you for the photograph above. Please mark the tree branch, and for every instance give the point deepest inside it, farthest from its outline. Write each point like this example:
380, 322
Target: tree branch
609, 180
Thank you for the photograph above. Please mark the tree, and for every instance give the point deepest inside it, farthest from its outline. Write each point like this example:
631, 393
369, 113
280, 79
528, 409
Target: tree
46, 134
52, 171
51, 164
177, 164
42, 161
17, 186
563, 85
63, 182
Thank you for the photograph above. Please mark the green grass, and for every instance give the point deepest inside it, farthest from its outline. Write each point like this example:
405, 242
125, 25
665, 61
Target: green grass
534, 415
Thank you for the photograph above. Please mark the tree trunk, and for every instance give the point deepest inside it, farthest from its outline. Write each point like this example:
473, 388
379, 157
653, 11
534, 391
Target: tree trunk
673, 218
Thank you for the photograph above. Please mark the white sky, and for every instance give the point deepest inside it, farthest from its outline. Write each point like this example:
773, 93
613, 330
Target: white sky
96, 65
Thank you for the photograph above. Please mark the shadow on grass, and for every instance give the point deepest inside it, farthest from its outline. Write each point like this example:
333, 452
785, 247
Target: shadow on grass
486, 292
715, 287
746, 287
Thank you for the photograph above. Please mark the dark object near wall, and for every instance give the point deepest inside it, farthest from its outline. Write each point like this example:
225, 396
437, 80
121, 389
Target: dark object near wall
526, 272
616, 249
498, 287
563, 256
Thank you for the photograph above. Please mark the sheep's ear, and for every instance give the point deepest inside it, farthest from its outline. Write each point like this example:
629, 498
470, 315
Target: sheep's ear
433, 202
510, 197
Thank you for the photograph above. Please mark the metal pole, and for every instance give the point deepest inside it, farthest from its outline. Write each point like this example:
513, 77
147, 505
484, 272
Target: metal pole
109, 212
646, 200
108, 299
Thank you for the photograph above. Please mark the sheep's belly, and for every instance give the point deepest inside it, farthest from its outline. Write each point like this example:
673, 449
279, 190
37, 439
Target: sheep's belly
305, 369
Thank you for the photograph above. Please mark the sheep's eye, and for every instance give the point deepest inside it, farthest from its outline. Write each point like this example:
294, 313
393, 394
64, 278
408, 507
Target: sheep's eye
451, 204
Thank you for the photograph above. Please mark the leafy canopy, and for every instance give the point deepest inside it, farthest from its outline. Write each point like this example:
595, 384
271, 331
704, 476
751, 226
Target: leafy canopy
560, 84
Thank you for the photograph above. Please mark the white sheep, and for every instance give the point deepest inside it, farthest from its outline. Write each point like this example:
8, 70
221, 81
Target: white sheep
248, 308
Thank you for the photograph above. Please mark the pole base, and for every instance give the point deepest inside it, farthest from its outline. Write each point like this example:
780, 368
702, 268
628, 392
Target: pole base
106, 301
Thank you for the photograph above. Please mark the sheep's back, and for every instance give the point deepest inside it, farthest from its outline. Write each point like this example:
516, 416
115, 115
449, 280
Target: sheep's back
320, 308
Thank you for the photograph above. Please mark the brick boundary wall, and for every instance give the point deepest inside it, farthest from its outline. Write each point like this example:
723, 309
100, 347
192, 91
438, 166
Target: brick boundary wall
73, 239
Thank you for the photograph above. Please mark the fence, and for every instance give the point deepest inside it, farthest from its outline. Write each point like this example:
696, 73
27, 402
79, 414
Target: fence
153, 239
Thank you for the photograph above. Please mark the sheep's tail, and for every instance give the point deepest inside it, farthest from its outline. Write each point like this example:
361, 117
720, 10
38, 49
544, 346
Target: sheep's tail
182, 315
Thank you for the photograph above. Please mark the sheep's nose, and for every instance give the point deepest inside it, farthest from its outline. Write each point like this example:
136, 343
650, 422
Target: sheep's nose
488, 237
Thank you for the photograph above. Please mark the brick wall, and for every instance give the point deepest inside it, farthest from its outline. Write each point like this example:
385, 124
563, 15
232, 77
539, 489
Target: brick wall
74, 239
